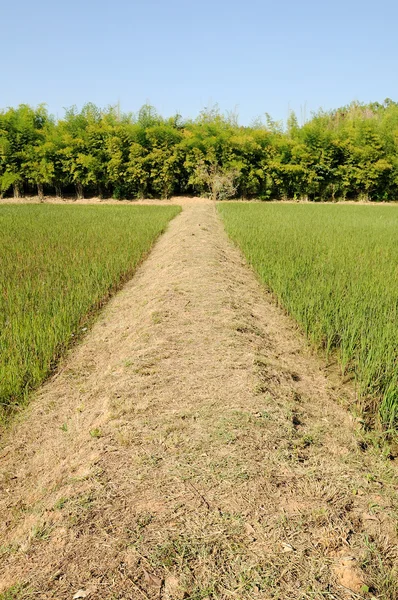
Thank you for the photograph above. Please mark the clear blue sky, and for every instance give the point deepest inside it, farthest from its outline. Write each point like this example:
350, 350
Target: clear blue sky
252, 56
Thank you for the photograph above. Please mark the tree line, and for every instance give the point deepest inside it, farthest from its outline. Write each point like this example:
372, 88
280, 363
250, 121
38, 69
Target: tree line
347, 153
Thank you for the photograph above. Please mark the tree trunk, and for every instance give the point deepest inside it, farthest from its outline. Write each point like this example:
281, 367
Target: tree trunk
40, 192
79, 191
213, 189
58, 191
141, 192
17, 190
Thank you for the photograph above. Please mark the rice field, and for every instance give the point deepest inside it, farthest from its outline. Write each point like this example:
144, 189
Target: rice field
58, 264
334, 268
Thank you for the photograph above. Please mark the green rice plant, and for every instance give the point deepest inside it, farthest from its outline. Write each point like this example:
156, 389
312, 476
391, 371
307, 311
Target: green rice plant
58, 265
334, 268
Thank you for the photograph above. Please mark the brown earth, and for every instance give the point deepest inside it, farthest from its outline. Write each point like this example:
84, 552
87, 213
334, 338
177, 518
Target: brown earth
174, 200
193, 447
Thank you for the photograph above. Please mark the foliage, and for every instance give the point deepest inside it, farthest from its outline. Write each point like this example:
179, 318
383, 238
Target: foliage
59, 264
348, 153
334, 268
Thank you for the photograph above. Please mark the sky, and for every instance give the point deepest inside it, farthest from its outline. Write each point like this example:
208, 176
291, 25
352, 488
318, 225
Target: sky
248, 57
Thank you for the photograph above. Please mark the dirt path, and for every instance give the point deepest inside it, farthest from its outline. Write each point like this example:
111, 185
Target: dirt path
191, 447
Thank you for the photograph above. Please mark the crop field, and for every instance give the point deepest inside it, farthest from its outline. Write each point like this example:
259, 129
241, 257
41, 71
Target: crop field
197, 448
335, 270
58, 265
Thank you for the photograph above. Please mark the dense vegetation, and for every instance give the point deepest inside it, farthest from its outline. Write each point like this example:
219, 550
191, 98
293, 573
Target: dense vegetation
58, 264
335, 269
346, 153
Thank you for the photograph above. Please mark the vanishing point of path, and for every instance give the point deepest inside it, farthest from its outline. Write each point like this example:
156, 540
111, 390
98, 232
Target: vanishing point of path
192, 447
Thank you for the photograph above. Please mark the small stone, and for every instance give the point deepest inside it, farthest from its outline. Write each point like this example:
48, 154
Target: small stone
81, 594
287, 547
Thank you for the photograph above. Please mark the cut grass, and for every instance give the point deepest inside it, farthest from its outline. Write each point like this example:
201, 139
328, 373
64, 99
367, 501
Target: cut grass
335, 270
59, 264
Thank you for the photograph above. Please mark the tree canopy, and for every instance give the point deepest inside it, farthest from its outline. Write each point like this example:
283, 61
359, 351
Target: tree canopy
347, 153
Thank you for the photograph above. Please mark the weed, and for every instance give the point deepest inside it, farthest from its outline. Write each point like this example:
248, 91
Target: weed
144, 519
151, 460
157, 317
79, 508
307, 440
18, 591
41, 532
8, 549
380, 564
95, 433
59, 505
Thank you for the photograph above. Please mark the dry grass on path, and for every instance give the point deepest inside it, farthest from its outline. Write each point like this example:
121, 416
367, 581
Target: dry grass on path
191, 447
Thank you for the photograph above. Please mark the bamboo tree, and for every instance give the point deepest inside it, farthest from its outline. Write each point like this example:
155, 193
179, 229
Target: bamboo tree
347, 153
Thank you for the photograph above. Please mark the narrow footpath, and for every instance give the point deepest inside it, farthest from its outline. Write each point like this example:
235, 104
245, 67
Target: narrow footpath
192, 447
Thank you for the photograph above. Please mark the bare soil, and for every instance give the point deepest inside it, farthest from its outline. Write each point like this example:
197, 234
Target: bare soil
191, 446
91, 200
178, 200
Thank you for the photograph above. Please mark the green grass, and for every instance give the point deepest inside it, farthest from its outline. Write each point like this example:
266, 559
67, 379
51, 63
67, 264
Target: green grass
335, 270
16, 592
58, 265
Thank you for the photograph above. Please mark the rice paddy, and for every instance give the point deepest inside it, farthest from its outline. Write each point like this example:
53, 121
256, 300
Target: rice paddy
334, 268
58, 265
